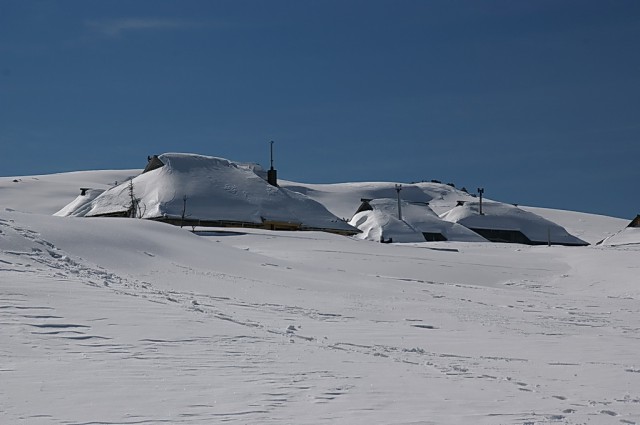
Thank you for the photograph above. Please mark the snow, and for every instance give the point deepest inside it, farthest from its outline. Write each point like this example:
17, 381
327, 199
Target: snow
117, 320
588, 227
343, 199
48, 194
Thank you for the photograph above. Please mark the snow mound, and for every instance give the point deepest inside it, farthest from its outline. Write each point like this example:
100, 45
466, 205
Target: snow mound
507, 223
205, 188
419, 223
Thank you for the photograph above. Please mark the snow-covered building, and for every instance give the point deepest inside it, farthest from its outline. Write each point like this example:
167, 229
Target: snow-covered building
198, 190
501, 222
378, 220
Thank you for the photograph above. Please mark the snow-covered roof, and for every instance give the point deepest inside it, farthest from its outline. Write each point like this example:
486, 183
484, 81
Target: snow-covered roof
630, 235
80, 206
627, 236
505, 217
382, 222
210, 188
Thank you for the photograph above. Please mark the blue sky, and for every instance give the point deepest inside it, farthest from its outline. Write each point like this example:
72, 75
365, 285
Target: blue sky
538, 101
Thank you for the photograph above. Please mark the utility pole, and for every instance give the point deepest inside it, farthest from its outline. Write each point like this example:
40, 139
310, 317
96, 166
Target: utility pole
480, 192
398, 189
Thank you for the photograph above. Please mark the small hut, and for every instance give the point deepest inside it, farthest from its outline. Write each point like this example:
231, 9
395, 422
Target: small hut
507, 223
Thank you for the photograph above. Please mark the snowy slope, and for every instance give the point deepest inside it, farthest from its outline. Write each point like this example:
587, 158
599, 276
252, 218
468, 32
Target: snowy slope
133, 321
49, 193
124, 320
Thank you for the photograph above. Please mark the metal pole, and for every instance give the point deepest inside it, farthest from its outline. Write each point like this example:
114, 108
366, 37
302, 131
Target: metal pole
481, 191
271, 154
398, 189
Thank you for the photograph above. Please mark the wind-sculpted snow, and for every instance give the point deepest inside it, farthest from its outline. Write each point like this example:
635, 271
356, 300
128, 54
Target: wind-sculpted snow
129, 321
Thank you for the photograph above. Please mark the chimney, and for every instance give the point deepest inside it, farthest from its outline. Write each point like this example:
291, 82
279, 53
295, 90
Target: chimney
272, 174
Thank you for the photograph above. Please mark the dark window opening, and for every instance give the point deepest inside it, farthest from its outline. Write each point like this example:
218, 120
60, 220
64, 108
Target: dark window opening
433, 237
504, 236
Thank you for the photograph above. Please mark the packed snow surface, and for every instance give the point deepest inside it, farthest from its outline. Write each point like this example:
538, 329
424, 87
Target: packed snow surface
122, 321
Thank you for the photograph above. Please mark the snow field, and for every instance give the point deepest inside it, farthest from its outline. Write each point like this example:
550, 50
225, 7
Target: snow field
118, 321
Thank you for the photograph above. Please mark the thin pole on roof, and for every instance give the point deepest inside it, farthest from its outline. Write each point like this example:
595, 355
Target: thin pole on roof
398, 189
271, 143
480, 192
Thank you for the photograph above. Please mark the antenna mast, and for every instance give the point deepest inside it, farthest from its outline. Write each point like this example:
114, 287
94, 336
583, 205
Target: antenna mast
271, 143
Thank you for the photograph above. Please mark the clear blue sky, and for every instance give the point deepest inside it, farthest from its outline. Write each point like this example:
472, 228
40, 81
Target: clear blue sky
536, 101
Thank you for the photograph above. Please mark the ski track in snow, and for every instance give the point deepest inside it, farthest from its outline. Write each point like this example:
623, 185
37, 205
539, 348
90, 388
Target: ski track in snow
227, 353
